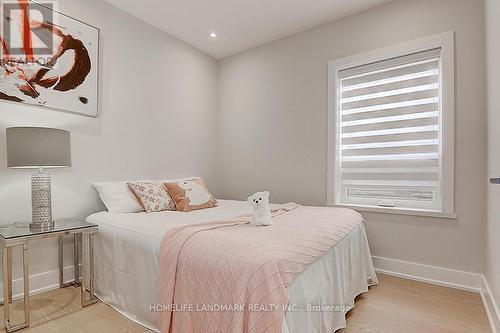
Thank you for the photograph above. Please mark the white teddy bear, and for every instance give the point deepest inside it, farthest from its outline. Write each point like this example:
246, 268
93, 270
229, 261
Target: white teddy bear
261, 211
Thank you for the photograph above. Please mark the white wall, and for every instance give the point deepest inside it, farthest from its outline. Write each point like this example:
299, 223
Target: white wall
493, 65
157, 120
272, 124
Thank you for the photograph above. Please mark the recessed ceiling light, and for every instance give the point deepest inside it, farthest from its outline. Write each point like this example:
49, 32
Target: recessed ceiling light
213, 35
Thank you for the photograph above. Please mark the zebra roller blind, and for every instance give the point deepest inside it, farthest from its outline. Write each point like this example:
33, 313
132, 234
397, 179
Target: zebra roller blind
390, 132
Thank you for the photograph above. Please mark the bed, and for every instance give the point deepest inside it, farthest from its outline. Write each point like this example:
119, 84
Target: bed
127, 251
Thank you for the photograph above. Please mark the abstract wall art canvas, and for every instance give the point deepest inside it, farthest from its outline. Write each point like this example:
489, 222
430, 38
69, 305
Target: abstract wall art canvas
47, 58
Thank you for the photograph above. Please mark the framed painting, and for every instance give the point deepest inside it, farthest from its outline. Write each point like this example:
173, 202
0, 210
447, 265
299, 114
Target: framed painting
48, 59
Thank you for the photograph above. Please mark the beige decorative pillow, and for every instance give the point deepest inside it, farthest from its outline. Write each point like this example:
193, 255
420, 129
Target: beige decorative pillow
190, 194
152, 196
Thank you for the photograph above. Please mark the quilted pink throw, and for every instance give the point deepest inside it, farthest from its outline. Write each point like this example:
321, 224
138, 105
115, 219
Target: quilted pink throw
228, 276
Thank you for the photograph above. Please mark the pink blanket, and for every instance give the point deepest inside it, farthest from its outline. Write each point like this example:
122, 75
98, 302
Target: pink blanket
228, 276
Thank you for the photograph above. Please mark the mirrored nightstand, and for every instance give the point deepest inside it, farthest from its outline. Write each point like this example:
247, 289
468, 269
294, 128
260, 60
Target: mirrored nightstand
21, 235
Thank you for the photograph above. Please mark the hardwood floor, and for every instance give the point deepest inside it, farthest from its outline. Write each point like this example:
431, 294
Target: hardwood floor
404, 306
394, 306
59, 311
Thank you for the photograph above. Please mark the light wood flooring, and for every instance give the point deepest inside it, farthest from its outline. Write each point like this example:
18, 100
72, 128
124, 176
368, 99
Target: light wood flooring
394, 306
403, 306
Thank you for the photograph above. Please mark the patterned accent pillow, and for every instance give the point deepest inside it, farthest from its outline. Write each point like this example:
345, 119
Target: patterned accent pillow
191, 194
152, 196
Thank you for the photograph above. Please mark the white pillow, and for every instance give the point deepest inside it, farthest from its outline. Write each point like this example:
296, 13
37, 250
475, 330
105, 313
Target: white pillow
117, 197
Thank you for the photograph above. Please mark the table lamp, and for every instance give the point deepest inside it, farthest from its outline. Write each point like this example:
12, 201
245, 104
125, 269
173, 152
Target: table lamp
39, 148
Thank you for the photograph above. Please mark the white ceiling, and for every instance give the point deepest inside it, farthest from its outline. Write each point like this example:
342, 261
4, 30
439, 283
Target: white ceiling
239, 24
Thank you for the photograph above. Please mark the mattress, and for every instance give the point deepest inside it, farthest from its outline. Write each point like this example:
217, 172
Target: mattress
127, 251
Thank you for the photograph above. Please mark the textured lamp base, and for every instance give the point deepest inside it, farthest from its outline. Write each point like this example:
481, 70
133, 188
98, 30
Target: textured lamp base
41, 202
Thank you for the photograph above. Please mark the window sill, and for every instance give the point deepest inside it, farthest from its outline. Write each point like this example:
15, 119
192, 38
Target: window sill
400, 211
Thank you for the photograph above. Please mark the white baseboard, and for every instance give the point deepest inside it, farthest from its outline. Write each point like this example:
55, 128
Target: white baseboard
39, 283
429, 274
491, 306
443, 277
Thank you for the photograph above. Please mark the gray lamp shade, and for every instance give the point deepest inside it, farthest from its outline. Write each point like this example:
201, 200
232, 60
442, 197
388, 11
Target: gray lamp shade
34, 147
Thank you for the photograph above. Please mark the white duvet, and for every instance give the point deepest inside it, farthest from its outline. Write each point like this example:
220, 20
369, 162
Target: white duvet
127, 262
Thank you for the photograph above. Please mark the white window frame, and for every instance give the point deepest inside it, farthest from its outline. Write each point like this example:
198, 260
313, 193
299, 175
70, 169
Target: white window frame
445, 41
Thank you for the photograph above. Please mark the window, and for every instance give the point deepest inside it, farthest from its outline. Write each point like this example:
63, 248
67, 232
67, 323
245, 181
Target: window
391, 122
